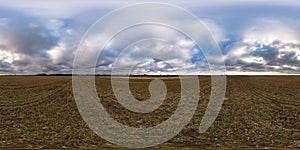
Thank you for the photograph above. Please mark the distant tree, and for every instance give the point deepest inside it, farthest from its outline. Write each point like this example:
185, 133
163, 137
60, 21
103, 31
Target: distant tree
41, 74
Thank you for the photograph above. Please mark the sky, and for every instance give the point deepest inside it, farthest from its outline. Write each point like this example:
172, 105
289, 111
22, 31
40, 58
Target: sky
255, 37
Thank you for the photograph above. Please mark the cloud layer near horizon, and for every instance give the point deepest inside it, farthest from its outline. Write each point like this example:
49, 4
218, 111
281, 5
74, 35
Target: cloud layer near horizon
253, 37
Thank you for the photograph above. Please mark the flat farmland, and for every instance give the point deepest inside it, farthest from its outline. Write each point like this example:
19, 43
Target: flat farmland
258, 112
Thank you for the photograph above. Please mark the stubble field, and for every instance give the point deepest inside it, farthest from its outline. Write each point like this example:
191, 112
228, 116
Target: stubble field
258, 111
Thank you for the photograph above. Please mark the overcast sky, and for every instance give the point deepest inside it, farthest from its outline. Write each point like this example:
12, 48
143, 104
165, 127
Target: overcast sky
255, 37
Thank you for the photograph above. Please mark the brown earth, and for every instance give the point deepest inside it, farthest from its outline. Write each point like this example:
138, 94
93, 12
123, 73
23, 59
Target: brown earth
258, 112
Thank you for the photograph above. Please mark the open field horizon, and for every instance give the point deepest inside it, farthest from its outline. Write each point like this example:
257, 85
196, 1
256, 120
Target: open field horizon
258, 112
168, 74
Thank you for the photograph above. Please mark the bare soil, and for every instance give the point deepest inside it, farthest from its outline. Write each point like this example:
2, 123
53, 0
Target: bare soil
258, 112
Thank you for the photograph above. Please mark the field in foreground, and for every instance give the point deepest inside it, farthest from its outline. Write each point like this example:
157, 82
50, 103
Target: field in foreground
258, 111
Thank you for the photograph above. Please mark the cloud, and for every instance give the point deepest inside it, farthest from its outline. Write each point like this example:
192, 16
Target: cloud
216, 30
39, 37
152, 56
25, 41
261, 38
141, 43
25, 35
257, 55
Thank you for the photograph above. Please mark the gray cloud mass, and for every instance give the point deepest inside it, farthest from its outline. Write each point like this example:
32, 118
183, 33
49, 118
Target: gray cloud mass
253, 36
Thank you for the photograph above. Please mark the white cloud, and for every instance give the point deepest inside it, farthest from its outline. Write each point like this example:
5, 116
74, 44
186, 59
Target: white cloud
257, 60
267, 35
186, 43
154, 56
266, 45
215, 29
57, 53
